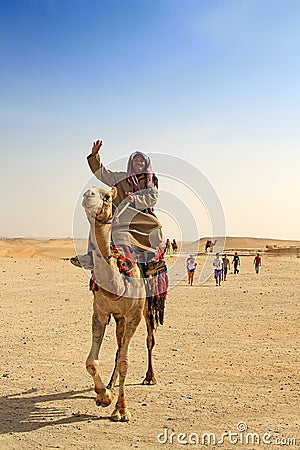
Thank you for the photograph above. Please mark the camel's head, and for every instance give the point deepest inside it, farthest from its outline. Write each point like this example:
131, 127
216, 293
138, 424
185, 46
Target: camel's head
98, 201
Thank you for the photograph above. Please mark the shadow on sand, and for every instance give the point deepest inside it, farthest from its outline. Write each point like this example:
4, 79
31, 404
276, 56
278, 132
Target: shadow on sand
26, 412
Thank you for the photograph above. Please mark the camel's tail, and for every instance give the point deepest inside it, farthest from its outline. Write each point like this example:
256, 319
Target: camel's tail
156, 297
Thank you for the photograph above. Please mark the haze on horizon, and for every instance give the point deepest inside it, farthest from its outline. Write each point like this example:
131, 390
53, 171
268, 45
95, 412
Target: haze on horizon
215, 84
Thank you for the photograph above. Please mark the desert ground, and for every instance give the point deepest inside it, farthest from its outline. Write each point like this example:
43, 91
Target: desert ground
226, 359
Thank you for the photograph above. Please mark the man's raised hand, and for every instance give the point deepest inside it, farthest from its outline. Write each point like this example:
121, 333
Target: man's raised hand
96, 147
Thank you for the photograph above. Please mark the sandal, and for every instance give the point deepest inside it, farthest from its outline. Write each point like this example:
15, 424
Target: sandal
84, 261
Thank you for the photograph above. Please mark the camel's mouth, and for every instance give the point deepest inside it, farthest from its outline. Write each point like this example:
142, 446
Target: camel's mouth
91, 200
91, 206
97, 203
97, 209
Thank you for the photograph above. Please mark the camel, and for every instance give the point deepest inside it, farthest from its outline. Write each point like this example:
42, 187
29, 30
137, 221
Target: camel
210, 245
125, 301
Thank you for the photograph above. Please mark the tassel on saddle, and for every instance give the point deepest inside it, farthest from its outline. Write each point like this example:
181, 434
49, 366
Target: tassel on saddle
93, 285
157, 288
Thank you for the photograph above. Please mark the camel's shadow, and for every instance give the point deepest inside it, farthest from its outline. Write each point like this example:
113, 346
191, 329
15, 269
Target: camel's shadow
26, 412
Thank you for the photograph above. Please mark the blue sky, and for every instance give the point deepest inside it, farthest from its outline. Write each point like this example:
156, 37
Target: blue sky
213, 82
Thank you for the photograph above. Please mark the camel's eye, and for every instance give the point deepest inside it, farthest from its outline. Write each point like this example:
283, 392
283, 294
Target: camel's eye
106, 197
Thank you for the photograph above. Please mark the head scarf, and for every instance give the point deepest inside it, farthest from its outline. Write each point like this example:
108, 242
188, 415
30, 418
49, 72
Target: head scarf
148, 173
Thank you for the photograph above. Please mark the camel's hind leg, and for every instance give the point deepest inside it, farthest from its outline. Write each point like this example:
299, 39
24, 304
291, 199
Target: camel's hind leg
104, 396
121, 411
149, 378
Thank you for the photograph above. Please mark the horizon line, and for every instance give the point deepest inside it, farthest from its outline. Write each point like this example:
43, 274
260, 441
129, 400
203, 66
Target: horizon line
70, 238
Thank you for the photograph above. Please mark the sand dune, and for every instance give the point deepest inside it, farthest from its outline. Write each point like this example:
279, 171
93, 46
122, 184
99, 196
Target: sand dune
35, 248
65, 248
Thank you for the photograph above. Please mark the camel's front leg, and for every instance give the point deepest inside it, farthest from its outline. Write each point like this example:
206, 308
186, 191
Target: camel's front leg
150, 378
104, 396
120, 323
121, 411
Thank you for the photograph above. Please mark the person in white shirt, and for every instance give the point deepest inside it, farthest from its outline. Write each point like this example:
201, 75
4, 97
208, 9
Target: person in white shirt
191, 267
218, 265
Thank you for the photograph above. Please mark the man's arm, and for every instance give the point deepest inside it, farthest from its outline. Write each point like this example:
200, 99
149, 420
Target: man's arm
106, 176
145, 198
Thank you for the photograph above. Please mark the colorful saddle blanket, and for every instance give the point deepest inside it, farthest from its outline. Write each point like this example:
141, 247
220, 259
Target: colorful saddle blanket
156, 284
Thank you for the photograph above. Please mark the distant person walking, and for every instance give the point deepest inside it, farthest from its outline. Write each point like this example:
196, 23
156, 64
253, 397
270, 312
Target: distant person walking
168, 247
257, 262
174, 246
236, 263
218, 266
226, 267
191, 267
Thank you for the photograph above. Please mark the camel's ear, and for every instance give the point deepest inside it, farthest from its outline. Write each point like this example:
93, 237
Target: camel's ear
114, 191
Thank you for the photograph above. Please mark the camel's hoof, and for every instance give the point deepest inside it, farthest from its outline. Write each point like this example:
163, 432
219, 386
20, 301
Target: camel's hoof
121, 416
100, 402
115, 417
149, 381
126, 417
104, 398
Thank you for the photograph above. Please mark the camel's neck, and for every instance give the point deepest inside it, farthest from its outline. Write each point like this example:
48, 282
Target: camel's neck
103, 239
106, 273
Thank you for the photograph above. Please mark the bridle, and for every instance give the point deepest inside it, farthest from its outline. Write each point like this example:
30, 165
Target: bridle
104, 222
112, 219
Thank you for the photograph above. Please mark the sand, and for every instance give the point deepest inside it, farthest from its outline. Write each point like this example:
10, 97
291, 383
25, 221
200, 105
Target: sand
226, 356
